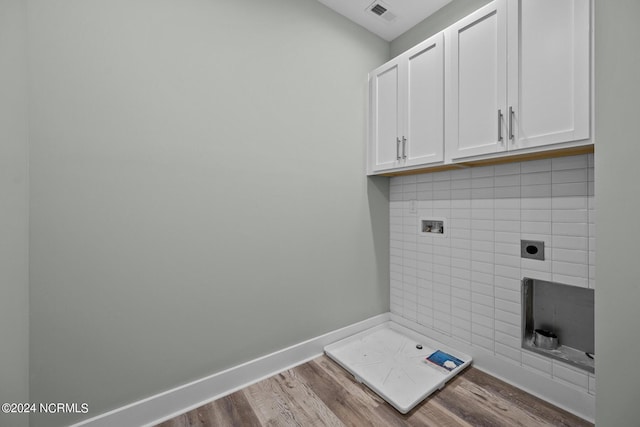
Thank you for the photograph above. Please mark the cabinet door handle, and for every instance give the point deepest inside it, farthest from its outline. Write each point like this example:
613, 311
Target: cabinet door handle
397, 148
404, 147
500, 138
511, 113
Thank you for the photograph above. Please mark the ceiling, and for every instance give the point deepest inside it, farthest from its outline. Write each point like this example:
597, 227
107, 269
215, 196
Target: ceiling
389, 18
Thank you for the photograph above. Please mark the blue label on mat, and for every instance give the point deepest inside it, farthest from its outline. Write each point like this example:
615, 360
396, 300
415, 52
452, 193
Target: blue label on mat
440, 358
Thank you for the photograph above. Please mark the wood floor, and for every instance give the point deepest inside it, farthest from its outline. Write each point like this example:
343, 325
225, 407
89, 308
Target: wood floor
321, 393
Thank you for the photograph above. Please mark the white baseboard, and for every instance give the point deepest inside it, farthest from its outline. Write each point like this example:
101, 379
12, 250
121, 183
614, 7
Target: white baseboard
558, 394
164, 406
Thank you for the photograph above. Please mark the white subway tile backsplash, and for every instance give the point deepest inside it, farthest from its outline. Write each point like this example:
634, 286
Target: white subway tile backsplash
482, 204
483, 193
482, 272
535, 166
460, 223
460, 282
514, 204
570, 375
506, 237
461, 243
508, 306
409, 179
425, 177
536, 178
457, 322
569, 175
530, 227
570, 242
509, 272
504, 214
536, 265
537, 191
486, 182
461, 334
571, 162
575, 256
507, 260
583, 282
538, 363
482, 278
461, 307
507, 295
574, 229
467, 284
507, 169
507, 181
480, 341
482, 235
484, 171
506, 283
570, 202
461, 204
460, 174
569, 189
481, 224
483, 289
460, 273
441, 176
509, 329
441, 185
507, 192
508, 226
570, 215
539, 275
507, 317
512, 249
507, 340
461, 194
479, 300
482, 331
508, 353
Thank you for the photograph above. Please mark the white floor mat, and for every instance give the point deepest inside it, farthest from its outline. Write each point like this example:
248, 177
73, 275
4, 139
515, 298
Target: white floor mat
388, 359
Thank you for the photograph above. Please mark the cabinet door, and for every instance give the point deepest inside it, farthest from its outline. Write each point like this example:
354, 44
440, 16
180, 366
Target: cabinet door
476, 88
385, 117
424, 114
549, 71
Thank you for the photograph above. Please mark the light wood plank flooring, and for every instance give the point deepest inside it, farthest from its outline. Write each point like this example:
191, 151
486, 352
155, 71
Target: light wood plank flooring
320, 393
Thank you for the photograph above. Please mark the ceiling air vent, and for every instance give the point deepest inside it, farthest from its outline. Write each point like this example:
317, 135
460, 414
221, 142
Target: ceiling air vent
378, 9
382, 10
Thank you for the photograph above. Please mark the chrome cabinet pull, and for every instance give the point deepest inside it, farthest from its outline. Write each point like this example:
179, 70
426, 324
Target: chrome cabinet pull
511, 112
404, 147
500, 138
397, 148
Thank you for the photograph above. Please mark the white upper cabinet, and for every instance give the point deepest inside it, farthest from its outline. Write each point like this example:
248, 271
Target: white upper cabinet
424, 114
518, 77
549, 66
384, 146
476, 90
512, 77
407, 109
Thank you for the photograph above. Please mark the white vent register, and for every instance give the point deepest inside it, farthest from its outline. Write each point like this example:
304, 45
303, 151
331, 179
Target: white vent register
382, 10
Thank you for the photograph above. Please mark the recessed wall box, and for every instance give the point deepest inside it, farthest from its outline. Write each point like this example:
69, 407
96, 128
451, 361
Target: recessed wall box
432, 226
532, 249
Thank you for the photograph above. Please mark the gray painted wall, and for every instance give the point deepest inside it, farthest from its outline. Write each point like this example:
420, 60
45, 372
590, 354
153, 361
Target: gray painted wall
198, 190
440, 20
14, 263
617, 178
